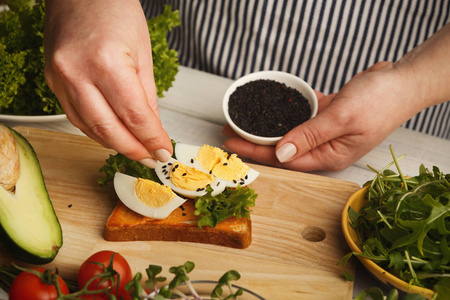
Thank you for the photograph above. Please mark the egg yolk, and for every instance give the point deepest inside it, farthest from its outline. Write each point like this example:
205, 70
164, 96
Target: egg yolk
221, 164
152, 193
189, 178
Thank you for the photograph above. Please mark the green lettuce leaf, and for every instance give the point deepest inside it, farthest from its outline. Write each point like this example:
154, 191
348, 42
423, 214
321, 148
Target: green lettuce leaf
232, 202
121, 163
23, 88
165, 60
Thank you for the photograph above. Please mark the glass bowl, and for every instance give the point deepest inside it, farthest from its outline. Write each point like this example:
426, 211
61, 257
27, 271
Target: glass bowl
205, 287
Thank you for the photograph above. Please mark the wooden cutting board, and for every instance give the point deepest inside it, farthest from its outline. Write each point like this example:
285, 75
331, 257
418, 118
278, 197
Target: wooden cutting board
297, 237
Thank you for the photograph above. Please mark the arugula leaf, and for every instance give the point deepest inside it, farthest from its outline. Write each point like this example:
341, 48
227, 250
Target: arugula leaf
405, 226
231, 202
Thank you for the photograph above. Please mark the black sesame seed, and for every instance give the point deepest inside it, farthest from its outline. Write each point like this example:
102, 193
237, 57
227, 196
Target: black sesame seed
258, 107
234, 181
168, 177
246, 177
70, 205
183, 214
182, 207
210, 172
173, 169
176, 166
169, 164
225, 164
184, 174
165, 166
192, 160
218, 183
241, 183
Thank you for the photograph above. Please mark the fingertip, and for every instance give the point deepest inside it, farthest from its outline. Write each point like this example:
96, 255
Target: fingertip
149, 162
162, 155
286, 152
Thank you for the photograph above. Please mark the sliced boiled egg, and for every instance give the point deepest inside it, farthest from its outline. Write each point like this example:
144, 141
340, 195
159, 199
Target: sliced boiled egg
146, 197
229, 168
187, 180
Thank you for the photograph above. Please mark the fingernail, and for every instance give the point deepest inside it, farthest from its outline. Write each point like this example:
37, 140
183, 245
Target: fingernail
286, 152
149, 162
162, 155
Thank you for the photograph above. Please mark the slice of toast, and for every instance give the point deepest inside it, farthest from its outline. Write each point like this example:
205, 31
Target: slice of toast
181, 225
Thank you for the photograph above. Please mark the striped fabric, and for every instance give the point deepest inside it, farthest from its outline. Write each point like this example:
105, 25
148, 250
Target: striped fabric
323, 42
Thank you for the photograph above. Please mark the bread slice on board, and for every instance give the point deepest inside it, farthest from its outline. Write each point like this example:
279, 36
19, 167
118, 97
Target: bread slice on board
125, 225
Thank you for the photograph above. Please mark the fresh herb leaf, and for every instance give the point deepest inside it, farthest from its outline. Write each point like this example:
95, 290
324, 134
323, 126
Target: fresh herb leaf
165, 60
231, 202
405, 226
121, 163
226, 280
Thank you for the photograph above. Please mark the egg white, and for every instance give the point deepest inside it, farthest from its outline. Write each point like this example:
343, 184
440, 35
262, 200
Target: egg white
163, 175
187, 154
124, 187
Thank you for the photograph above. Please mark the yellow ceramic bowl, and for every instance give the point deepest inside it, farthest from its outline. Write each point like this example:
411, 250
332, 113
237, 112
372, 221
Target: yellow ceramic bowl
356, 201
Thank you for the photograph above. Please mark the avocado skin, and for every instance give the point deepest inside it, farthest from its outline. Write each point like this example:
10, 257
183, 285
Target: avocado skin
17, 252
14, 249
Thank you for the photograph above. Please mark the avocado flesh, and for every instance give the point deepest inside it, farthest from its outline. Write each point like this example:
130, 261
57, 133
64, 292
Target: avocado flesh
30, 229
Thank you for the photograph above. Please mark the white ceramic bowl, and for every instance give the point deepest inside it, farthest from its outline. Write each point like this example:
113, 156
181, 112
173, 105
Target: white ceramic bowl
289, 80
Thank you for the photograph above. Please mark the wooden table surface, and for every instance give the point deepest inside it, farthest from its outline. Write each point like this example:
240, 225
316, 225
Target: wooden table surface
191, 113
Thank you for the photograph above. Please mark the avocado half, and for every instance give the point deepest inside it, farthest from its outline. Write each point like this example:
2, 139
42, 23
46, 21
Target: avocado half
29, 227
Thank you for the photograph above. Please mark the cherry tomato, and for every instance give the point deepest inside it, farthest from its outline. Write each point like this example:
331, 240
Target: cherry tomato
29, 286
90, 268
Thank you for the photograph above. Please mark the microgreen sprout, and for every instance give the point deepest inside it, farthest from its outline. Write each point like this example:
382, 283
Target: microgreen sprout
180, 286
181, 279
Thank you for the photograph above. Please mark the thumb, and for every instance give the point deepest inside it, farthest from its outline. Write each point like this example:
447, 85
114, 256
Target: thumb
309, 146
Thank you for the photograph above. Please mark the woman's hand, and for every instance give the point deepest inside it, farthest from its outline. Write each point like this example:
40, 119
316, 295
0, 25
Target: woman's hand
349, 124
99, 65
363, 113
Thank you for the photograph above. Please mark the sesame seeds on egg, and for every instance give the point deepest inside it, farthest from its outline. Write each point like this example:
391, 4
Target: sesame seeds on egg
212, 160
186, 180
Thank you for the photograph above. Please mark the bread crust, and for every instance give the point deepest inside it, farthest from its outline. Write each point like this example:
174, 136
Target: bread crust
181, 226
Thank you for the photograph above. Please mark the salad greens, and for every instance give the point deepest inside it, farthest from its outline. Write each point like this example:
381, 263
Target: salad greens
405, 226
23, 89
210, 209
374, 293
231, 202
